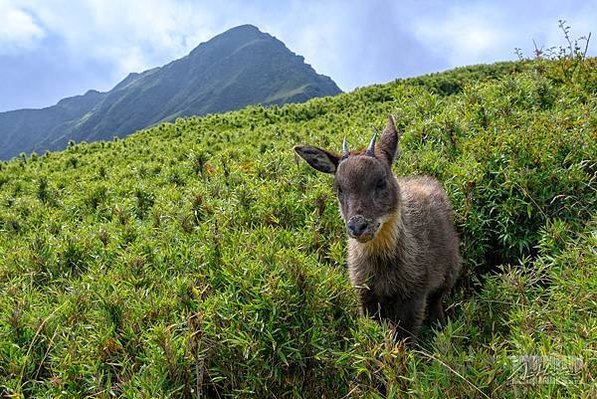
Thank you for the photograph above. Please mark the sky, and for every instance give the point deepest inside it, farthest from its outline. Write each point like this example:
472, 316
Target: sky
52, 49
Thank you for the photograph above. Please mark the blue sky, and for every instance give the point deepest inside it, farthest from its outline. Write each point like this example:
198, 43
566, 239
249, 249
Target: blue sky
51, 49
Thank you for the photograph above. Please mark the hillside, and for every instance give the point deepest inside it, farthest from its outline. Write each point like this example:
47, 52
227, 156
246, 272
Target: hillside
239, 67
202, 257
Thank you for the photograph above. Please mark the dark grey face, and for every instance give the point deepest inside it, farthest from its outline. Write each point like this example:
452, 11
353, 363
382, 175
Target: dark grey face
367, 191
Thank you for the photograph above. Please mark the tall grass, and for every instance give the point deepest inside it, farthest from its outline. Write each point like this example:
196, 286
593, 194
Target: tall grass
201, 259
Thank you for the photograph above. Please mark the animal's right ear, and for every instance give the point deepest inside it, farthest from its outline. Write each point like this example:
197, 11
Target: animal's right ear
389, 141
319, 159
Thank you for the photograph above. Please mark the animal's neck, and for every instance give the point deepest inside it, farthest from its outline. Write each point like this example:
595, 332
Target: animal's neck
380, 257
388, 239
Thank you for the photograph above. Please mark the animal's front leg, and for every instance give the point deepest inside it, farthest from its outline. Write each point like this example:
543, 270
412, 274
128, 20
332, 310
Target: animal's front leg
407, 315
435, 309
370, 305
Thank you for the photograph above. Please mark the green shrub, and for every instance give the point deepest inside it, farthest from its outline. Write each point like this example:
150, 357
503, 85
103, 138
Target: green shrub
201, 257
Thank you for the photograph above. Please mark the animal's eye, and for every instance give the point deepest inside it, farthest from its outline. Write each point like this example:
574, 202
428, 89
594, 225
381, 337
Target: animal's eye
381, 184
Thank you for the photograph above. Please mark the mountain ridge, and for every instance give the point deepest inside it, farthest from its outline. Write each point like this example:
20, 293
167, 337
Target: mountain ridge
239, 67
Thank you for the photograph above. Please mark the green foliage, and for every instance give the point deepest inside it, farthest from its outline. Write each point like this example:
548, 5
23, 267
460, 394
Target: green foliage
202, 257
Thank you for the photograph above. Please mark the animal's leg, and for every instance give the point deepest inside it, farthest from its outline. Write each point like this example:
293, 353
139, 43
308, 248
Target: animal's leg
436, 310
371, 307
407, 315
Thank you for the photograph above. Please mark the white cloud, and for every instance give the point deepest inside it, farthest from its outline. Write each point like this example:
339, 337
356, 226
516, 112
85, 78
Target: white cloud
136, 35
320, 32
18, 30
466, 35
96, 43
132, 35
475, 32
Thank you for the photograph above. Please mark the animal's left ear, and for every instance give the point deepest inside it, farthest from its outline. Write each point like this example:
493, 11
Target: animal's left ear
388, 143
319, 159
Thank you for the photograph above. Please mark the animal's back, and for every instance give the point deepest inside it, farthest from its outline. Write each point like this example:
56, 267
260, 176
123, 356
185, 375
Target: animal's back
428, 215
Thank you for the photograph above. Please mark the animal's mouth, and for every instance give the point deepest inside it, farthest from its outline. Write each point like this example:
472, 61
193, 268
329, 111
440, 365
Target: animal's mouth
367, 235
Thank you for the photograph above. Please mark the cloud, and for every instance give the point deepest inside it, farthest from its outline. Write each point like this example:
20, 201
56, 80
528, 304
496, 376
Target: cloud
472, 32
133, 35
18, 29
465, 34
355, 42
65, 47
73, 46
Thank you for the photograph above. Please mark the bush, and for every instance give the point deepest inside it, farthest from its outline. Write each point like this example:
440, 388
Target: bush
208, 260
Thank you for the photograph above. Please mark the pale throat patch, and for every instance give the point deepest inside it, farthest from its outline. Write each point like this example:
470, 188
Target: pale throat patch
387, 235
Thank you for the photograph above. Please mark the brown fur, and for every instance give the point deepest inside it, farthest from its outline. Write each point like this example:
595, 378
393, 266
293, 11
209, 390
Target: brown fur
403, 257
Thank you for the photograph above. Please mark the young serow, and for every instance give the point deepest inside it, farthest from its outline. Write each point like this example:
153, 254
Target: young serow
403, 255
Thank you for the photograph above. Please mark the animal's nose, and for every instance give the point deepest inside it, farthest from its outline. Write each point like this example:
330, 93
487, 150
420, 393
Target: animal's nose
357, 225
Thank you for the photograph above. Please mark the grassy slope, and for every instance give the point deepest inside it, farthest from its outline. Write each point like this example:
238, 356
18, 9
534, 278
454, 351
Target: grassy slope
201, 256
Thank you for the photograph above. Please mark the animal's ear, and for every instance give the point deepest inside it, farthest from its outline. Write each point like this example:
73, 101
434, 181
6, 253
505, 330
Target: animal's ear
388, 145
319, 159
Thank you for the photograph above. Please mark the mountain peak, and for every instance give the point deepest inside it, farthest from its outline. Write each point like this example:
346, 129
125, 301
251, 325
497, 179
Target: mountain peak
247, 32
239, 67
243, 28
231, 38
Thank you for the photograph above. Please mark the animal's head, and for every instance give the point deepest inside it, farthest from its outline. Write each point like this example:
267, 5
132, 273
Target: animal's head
367, 191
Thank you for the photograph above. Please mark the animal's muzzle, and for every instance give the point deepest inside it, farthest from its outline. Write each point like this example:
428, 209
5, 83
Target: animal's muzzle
357, 226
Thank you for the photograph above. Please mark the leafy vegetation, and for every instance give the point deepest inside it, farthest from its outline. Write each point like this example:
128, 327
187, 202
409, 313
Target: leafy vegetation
201, 257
